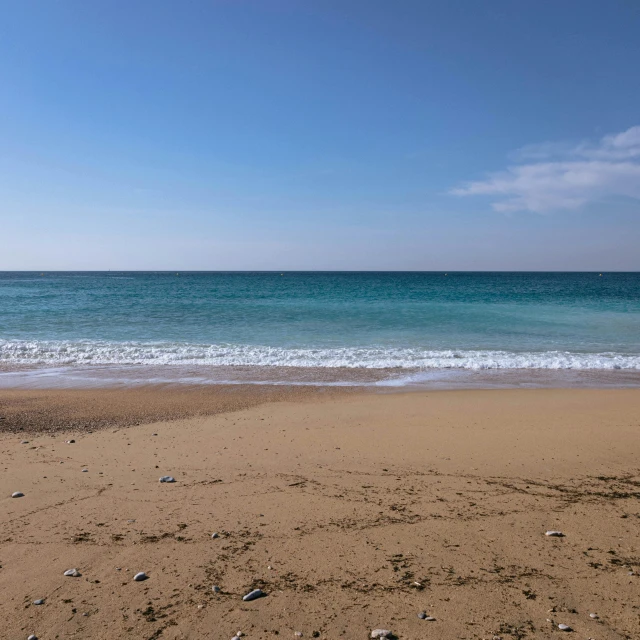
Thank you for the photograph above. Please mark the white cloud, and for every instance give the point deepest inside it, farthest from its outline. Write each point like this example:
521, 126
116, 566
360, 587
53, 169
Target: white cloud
553, 176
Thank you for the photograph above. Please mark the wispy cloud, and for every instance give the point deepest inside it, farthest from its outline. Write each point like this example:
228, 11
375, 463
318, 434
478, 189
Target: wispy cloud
553, 176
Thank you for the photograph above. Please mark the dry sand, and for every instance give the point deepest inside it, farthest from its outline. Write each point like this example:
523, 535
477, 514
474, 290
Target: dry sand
351, 511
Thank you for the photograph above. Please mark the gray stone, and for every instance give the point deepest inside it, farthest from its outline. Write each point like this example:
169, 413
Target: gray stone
381, 633
253, 595
167, 479
32, 637
554, 534
564, 627
41, 601
594, 616
422, 615
73, 573
17, 494
215, 535
216, 589
139, 577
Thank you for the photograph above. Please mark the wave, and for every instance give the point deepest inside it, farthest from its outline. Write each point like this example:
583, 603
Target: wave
68, 352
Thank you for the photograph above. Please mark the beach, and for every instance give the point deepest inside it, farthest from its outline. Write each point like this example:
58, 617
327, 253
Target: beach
351, 510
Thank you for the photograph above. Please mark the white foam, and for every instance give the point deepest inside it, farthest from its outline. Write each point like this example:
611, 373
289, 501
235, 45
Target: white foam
58, 353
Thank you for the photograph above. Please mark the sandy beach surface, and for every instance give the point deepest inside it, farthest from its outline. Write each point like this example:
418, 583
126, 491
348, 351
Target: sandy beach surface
352, 511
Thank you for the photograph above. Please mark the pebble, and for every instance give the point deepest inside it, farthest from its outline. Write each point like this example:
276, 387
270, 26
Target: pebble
139, 577
239, 634
554, 534
25, 442
380, 633
594, 616
70, 441
167, 479
298, 634
73, 573
564, 627
256, 593
17, 494
85, 471
235, 638
154, 434
422, 615
41, 601
32, 637
216, 589
215, 535
200, 606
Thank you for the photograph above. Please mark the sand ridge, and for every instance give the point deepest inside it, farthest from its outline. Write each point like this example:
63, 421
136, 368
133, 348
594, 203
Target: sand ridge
352, 513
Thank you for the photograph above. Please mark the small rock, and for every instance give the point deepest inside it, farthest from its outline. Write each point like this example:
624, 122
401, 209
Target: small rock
216, 589
70, 441
215, 535
253, 595
235, 638
73, 573
430, 619
564, 627
85, 471
594, 616
422, 615
17, 494
297, 634
32, 637
167, 479
381, 633
554, 534
85, 614
154, 434
41, 601
25, 442
239, 634
200, 606
139, 577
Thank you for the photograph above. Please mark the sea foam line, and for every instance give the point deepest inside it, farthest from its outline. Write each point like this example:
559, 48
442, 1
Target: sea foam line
68, 352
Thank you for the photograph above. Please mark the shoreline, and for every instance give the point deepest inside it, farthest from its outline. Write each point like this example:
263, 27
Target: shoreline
171, 375
351, 511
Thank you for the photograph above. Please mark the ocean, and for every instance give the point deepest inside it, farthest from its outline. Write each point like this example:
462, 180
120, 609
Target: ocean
388, 328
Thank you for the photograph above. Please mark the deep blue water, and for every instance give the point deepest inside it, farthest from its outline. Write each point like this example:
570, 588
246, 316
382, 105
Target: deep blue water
371, 320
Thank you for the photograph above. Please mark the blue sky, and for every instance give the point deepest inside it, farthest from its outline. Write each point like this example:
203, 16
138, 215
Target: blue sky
286, 134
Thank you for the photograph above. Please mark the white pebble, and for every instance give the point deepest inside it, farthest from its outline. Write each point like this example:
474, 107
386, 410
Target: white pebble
298, 634
252, 595
215, 535
554, 534
564, 627
32, 637
73, 573
216, 589
139, 577
380, 633
85, 471
594, 616
41, 601
167, 479
17, 494
239, 634
25, 442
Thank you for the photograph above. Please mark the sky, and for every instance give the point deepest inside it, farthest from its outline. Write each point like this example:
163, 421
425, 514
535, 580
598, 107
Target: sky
303, 135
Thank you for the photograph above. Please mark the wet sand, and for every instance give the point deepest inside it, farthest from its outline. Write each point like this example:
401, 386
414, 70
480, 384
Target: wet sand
352, 511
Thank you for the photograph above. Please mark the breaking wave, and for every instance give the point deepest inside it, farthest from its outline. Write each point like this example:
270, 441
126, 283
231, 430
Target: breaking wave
61, 352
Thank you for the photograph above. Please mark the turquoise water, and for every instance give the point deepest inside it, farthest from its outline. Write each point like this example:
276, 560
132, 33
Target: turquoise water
412, 321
